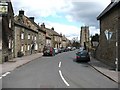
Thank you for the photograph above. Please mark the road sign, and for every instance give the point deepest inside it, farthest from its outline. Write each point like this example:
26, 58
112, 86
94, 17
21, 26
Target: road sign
108, 34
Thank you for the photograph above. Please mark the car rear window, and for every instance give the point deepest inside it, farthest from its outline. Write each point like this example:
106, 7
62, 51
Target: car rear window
83, 53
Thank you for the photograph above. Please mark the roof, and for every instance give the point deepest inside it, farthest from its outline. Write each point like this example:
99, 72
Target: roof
22, 25
40, 29
108, 8
19, 22
52, 32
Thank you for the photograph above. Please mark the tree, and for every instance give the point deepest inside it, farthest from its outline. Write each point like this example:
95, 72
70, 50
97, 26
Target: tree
95, 38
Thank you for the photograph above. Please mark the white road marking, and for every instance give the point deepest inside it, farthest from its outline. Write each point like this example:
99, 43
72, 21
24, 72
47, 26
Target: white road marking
5, 74
59, 64
0, 77
63, 78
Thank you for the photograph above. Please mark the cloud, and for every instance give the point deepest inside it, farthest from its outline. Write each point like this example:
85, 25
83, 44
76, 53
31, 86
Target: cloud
80, 11
41, 8
94, 30
69, 18
68, 30
85, 12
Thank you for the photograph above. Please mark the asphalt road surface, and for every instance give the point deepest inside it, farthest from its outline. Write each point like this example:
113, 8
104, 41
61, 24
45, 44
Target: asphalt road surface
60, 71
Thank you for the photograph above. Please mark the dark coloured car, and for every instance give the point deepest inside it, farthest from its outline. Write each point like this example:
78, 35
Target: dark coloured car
82, 56
48, 51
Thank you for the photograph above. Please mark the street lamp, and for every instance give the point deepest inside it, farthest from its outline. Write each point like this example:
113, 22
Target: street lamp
109, 34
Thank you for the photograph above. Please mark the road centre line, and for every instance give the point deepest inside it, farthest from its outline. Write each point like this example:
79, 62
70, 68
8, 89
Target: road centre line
59, 64
63, 78
5, 74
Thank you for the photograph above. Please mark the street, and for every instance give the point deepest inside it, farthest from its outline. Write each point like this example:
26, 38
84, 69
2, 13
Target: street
60, 71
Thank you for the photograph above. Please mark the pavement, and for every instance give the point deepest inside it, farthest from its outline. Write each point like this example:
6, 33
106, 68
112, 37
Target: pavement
17, 62
97, 65
105, 70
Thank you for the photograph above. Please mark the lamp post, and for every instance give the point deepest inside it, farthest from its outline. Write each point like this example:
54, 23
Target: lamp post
109, 34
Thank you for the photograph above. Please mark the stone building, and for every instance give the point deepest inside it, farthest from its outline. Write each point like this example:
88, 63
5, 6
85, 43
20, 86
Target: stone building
7, 30
64, 41
52, 37
28, 35
42, 38
48, 41
107, 50
84, 36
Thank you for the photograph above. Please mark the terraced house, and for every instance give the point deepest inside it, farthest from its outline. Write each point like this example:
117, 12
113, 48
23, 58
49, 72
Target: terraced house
48, 37
55, 39
64, 41
29, 38
52, 37
7, 16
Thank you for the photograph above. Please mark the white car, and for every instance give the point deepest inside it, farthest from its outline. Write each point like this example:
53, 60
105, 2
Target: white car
56, 50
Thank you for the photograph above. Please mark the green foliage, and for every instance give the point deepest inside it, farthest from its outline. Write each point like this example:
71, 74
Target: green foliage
95, 38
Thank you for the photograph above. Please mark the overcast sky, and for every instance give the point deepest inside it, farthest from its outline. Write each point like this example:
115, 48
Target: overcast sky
66, 16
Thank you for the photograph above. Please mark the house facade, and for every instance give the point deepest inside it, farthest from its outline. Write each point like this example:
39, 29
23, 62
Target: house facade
41, 39
53, 39
48, 41
107, 50
64, 41
7, 17
28, 35
57, 39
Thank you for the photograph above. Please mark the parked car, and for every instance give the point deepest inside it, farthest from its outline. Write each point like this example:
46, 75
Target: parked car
47, 50
73, 48
56, 50
82, 56
59, 50
81, 48
69, 48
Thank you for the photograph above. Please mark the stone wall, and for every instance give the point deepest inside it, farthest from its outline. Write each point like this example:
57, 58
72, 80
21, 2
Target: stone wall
106, 52
119, 39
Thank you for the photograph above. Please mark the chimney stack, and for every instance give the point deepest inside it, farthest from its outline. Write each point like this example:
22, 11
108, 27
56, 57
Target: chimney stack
52, 28
42, 25
32, 18
21, 12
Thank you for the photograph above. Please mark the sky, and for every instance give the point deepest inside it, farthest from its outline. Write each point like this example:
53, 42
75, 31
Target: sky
66, 16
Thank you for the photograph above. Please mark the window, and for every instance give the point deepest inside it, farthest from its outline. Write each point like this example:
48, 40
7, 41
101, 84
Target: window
28, 36
22, 48
10, 23
39, 36
35, 38
28, 47
12, 46
9, 46
0, 44
32, 37
39, 45
36, 46
22, 35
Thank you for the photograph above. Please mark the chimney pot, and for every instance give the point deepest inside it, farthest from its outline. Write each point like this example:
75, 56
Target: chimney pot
31, 18
21, 12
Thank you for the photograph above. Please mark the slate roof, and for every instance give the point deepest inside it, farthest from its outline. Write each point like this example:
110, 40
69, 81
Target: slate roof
52, 32
108, 8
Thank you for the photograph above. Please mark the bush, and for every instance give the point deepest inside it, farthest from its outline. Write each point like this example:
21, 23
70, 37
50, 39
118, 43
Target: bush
20, 54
